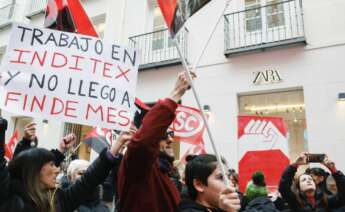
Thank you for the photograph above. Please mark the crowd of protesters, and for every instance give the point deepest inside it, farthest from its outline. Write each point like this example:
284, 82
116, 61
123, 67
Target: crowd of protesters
144, 178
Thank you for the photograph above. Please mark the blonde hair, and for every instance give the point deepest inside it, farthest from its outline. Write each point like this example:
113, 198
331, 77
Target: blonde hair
77, 165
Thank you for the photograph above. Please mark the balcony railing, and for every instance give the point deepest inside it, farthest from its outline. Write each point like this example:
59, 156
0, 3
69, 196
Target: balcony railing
36, 7
6, 14
264, 27
157, 49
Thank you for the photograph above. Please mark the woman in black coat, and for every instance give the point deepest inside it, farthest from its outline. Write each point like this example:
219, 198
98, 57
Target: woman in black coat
305, 197
28, 183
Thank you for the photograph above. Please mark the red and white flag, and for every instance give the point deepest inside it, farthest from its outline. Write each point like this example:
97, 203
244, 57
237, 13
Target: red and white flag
176, 12
262, 146
189, 128
188, 125
100, 138
11, 145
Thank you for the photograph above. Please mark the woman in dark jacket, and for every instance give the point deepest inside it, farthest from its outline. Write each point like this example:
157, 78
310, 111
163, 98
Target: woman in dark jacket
306, 197
28, 183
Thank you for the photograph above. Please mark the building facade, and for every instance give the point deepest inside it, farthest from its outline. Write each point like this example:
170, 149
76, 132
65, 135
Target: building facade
266, 58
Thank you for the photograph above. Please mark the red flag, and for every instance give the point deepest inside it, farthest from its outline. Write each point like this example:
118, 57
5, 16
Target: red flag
100, 138
176, 12
10, 146
188, 125
69, 16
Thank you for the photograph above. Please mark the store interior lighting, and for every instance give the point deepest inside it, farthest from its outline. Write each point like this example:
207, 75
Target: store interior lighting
341, 97
275, 108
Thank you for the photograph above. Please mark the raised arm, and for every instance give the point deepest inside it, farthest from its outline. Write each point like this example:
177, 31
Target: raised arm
29, 139
287, 179
144, 148
73, 196
339, 198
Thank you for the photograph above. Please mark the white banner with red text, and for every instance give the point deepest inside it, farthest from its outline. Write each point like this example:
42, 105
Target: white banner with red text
69, 77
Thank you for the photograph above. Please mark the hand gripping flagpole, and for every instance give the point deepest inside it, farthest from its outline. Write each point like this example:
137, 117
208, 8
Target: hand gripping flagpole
185, 65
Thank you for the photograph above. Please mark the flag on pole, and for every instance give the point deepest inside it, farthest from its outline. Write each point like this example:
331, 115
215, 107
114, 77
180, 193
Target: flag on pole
100, 138
176, 12
68, 16
11, 145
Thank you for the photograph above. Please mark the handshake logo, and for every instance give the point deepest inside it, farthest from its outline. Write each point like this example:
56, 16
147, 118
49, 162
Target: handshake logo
261, 135
264, 130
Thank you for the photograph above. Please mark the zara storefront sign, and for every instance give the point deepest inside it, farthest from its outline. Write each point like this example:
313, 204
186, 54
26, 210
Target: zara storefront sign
268, 76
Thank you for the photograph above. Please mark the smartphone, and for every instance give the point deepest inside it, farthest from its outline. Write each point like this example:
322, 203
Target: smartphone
315, 158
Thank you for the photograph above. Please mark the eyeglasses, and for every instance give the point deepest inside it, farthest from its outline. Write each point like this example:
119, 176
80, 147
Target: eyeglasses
168, 134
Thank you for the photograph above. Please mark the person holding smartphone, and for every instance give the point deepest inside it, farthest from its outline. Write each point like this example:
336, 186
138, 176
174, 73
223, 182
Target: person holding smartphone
305, 197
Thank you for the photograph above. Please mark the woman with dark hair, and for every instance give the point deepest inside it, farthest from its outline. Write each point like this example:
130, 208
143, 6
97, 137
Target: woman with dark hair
306, 197
28, 183
320, 176
206, 187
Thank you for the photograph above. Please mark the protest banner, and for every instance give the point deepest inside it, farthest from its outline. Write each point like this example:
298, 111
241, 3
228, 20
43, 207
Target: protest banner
70, 77
262, 146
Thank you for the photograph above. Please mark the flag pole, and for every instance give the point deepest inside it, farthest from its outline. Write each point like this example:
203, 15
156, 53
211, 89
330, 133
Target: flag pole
73, 151
197, 61
190, 79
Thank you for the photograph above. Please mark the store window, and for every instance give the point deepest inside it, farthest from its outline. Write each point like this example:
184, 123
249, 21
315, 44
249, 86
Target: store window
287, 104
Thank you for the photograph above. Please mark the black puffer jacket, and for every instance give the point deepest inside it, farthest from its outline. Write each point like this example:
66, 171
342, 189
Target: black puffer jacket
25, 144
93, 203
192, 206
288, 195
261, 204
13, 197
